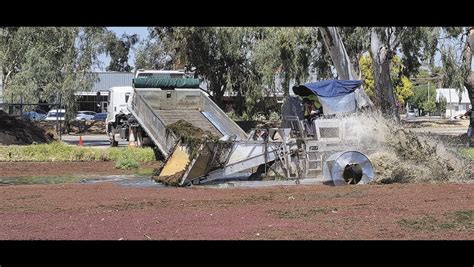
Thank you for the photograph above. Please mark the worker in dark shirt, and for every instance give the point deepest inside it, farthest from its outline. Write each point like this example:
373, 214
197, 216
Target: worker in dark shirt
312, 110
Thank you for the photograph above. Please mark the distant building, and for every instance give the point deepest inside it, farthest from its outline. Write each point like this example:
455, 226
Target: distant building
456, 104
96, 98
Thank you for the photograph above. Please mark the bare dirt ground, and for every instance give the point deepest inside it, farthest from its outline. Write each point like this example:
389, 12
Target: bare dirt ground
111, 211
116, 212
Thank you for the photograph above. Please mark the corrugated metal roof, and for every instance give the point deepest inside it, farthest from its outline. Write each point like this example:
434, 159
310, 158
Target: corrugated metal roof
111, 79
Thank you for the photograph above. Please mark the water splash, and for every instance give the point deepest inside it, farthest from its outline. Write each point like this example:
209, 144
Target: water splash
402, 156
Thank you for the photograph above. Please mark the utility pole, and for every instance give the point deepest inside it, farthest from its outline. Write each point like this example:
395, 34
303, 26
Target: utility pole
428, 96
428, 90
450, 108
60, 132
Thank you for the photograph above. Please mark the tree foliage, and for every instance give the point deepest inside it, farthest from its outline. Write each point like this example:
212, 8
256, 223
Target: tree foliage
256, 61
40, 63
415, 44
219, 55
403, 85
286, 53
457, 49
119, 49
154, 52
421, 95
357, 42
429, 105
244, 62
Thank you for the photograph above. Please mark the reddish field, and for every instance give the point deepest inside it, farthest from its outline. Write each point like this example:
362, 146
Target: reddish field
111, 211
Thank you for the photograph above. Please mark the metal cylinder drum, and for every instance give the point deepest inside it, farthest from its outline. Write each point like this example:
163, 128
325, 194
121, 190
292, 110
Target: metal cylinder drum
348, 167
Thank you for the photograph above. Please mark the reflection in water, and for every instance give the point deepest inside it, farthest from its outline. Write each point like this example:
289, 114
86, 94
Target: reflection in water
127, 180
240, 181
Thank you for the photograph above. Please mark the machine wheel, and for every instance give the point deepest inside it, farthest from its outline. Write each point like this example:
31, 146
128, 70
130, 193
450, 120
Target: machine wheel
257, 175
348, 167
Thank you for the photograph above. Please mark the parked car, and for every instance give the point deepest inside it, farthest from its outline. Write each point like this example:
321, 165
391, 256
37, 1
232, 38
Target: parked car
34, 115
55, 114
411, 114
100, 117
85, 115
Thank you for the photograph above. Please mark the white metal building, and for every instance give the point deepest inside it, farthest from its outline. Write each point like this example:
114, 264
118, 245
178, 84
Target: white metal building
95, 99
457, 104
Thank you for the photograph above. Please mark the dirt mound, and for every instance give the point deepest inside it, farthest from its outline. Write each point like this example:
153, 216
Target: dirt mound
14, 131
90, 127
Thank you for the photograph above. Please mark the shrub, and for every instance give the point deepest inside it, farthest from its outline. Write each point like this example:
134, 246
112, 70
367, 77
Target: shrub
59, 151
126, 162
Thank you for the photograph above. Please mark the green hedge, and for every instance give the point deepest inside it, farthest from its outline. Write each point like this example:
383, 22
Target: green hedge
58, 151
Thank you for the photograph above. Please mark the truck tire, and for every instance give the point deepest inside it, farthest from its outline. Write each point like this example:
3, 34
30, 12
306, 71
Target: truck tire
113, 143
139, 138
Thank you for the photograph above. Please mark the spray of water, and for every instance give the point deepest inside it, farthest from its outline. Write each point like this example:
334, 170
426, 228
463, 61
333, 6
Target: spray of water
399, 155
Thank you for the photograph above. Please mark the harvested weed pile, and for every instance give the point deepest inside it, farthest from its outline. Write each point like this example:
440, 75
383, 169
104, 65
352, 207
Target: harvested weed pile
191, 138
15, 131
172, 180
407, 157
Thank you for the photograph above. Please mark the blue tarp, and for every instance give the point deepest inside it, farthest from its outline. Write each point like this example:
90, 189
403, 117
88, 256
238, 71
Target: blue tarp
328, 88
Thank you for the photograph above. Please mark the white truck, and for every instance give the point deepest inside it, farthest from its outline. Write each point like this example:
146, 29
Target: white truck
120, 123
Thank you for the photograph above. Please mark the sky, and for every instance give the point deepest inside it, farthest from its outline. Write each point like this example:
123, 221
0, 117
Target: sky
142, 33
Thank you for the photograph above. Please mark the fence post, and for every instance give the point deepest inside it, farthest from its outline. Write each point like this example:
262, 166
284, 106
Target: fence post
60, 131
10, 107
21, 105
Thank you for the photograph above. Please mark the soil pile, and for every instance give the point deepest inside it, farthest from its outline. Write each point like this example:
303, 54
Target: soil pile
90, 127
14, 131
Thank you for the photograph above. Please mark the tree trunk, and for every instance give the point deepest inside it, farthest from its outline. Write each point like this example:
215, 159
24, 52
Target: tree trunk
219, 99
5, 81
338, 53
381, 57
341, 61
217, 93
467, 57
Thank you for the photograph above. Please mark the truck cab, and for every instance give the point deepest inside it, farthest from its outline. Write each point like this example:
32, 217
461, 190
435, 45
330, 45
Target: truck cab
118, 98
117, 112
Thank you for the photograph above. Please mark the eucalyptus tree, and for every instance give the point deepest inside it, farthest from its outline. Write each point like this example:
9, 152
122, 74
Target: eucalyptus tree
119, 49
457, 50
243, 61
414, 45
286, 53
40, 63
